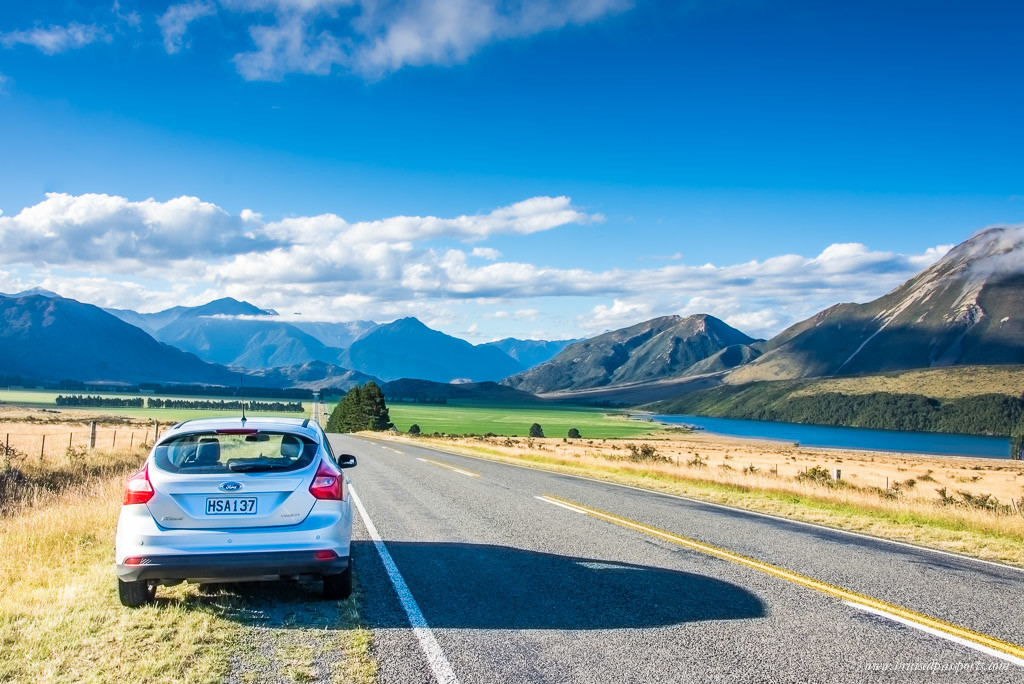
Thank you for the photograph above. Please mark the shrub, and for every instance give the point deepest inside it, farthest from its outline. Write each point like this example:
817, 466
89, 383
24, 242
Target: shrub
697, 462
574, 433
644, 452
536, 430
817, 475
414, 429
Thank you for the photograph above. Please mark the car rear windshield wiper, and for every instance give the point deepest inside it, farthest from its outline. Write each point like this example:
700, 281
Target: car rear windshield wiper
252, 467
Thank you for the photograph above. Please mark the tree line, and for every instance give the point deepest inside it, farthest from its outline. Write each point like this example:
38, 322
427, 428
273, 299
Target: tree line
79, 400
362, 408
983, 414
232, 405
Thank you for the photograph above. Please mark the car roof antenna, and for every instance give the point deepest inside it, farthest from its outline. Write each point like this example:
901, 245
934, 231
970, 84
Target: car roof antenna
241, 395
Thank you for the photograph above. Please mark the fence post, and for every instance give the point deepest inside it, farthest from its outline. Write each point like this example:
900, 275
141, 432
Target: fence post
42, 448
156, 431
71, 439
131, 440
92, 435
113, 443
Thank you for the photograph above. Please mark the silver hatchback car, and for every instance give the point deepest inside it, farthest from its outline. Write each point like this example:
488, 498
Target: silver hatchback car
234, 500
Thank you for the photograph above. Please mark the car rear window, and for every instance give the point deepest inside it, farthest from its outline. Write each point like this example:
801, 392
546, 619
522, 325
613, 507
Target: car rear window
214, 452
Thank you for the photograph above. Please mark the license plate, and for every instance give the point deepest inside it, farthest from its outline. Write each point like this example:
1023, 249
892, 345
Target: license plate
231, 506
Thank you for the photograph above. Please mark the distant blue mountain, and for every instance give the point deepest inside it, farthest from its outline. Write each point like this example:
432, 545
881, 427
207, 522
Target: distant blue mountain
339, 335
215, 332
46, 337
406, 348
530, 353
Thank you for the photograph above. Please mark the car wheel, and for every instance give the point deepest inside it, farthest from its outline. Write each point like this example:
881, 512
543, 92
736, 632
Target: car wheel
339, 587
135, 594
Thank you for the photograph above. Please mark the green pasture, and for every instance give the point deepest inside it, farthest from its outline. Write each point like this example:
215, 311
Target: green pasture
516, 420
47, 399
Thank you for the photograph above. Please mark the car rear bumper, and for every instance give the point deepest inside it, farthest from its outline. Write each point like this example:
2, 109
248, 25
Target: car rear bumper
230, 566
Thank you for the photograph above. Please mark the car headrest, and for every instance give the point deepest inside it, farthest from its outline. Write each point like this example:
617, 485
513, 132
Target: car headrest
291, 446
208, 452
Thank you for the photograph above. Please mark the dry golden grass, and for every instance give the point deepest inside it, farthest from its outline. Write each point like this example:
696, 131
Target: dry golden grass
941, 383
60, 618
908, 514
45, 442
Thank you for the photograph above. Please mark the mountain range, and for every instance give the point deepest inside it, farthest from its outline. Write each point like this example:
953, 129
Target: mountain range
47, 337
964, 309
967, 308
651, 351
216, 341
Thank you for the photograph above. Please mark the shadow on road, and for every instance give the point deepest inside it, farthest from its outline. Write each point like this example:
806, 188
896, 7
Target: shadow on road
476, 586
479, 586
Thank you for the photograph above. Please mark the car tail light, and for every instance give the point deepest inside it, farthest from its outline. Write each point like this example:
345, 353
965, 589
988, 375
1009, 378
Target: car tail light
133, 560
326, 483
138, 489
325, 555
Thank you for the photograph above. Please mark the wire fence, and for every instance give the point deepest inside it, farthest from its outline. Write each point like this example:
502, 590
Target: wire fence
45, 444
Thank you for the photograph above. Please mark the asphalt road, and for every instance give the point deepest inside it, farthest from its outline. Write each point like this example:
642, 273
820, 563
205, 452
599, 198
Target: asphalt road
516, 588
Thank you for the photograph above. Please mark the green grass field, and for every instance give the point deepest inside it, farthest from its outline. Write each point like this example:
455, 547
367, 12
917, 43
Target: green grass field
450, 418
46, 399
501, 420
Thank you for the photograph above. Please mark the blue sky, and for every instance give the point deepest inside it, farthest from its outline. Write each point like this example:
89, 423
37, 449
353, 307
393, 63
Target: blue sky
755, 160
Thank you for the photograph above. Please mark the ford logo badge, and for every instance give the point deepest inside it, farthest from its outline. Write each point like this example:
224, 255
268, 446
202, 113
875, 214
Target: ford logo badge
230, 486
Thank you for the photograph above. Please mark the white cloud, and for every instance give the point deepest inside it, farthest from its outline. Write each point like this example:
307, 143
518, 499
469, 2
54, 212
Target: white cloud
54, 39
486, 253
4, 80
174, 22
111, 230
418, 32
377, 37
185, 249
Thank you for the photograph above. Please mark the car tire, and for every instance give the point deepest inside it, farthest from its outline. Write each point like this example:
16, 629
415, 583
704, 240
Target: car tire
339, 587
135, 594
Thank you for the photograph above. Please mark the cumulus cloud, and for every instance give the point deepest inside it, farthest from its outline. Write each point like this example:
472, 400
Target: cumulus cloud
54, 39
111, 230
185, 249
175, 21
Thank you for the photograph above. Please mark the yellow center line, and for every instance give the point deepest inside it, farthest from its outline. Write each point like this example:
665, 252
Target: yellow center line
989, 643
467, 473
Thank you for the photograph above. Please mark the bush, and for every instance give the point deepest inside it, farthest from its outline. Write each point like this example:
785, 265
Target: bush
536, 430
414, 429
817, 475
574, 433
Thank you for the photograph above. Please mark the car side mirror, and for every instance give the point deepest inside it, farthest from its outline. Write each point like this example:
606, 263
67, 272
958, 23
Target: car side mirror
347, 461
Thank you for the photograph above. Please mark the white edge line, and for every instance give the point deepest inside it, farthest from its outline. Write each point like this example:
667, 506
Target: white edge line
439, 664
559, 504
449, 466
950, 554
934, 632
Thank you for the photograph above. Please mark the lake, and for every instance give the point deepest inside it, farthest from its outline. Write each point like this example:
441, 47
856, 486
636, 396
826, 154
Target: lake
851, 438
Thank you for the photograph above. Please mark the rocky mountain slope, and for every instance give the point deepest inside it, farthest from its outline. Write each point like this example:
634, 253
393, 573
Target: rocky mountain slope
654, 350
967, 308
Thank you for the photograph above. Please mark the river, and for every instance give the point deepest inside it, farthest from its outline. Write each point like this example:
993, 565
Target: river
851, 438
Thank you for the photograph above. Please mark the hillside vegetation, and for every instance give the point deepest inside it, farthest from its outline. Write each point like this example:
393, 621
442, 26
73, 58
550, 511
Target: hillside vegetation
856, 402
953, 382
